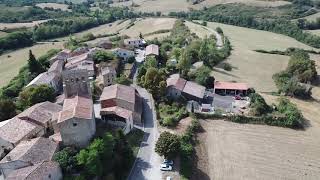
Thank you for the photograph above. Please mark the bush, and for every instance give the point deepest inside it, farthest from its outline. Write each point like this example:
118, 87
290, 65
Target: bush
258, 105
227, 66
66, 159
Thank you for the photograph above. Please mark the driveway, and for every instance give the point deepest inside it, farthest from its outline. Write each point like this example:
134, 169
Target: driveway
223, 102
148, 161
218, 37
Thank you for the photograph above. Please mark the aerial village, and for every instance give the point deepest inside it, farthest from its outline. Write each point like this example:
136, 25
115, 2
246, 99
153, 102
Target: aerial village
30, 139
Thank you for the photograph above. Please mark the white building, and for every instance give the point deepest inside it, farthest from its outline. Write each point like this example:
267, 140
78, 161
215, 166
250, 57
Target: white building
123, 53
134, 42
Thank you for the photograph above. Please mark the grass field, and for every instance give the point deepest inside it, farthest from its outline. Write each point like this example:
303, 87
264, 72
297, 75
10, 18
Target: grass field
231, 151
9, 66
249, 66
312, 17
166, 6
2, 34
63, 7
316, 32
148, 25
20, 25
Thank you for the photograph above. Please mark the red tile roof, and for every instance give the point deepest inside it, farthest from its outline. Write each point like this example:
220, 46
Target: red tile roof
126, 93
177, 82
230, 85
121, 112
76, 106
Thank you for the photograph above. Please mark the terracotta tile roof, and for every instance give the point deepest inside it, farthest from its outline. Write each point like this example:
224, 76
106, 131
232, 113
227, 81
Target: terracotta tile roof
230, 85
78, 59
34, 151
62, 55
41, 113
16, 129
152, 49
194, 89
76, 106
40, 171
118, 91
121, 112
176, 82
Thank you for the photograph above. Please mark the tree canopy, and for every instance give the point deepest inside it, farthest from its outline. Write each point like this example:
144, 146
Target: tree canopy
168, 145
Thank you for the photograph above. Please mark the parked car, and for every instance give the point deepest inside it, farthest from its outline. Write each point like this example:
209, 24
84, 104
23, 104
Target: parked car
165, 167
166, 161
168, 178
237, 97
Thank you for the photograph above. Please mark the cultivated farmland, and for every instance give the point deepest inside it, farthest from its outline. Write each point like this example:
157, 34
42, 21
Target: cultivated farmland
233, 151
10, 63
4, 26
63, 7
149, 25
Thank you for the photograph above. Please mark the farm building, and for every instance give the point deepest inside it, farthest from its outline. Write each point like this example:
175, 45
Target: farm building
121, 105
47, 78
230, 88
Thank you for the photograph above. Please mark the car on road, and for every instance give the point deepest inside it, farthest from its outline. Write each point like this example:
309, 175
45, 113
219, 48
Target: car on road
169, 162
165, 167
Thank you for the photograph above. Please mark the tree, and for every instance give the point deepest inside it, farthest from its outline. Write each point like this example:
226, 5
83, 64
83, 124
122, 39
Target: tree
7, 109
155, 82
204, 52
66, 159
34, 65
123, 80
184, 63
140, 35
168, 145
35, 94
203, 76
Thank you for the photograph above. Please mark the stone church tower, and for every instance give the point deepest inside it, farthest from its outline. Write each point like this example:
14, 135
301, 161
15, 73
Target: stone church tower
76, 82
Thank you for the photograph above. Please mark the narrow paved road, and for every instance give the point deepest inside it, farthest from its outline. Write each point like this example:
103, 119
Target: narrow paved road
218, 37
146, 166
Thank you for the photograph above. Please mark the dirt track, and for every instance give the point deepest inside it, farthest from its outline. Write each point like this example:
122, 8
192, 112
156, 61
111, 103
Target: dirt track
243, 151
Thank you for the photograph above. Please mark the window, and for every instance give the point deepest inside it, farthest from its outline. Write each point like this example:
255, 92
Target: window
77, 79
82, 78
74, 124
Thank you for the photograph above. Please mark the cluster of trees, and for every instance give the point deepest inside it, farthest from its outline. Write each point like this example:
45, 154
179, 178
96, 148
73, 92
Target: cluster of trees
152, 78
106, 157
16, 40
202, 76
171, 113
281, 26
300, 70
21, 3
293, 116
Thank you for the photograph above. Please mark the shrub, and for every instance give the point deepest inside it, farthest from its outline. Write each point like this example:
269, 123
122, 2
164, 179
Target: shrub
168, 145
227, 66
258, 105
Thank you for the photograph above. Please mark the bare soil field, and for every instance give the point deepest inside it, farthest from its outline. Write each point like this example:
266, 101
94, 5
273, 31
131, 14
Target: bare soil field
234, 151
10, 63
166, 6
249, 66
63, 7
4, 26
148, 25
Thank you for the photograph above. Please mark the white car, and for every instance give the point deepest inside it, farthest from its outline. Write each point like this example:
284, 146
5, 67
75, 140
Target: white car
169, 162
168, 178
165, 167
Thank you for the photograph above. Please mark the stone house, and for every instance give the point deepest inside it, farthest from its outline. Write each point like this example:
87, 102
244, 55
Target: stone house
47, 170
177, 87
120, 103
109, 74
76, 82
15, 131
47, 78
76, 122
28, 153
81, 62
